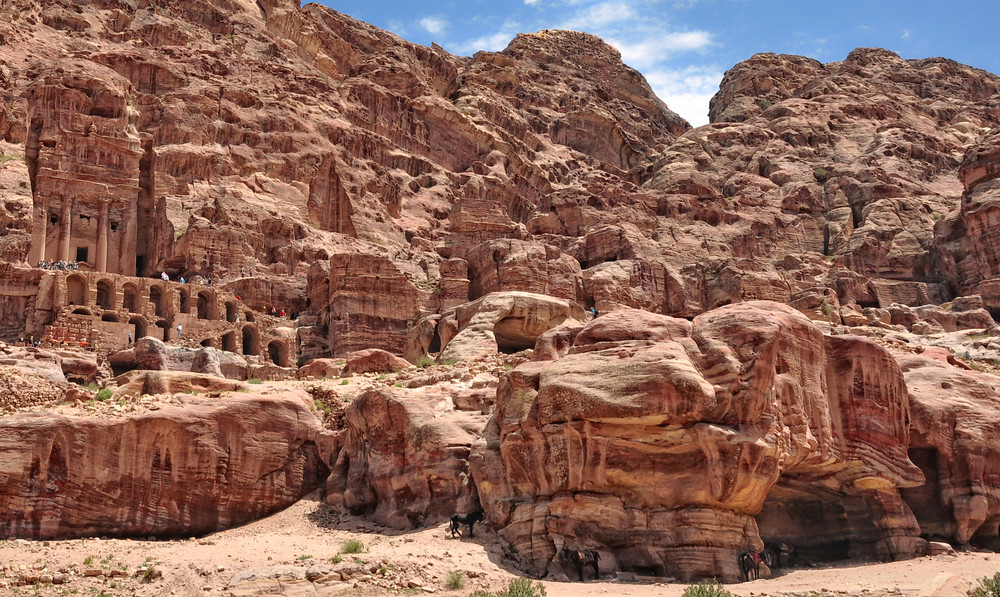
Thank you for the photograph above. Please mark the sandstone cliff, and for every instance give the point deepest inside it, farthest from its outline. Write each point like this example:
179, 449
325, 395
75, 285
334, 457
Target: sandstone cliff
403, 198
187, 469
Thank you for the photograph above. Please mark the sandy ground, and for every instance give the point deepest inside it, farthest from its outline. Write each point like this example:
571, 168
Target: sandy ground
305, 537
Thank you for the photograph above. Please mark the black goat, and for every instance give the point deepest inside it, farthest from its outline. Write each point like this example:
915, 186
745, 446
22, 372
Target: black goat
581, 558
750, 563
457, 520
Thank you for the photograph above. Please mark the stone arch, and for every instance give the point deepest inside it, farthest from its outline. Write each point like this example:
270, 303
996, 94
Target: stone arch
205, 306
109, 317
82, 311
278, 353
230, 312
185, 301
76, 290
140, 327
130, 297
209, 343
229, 342
251, 340
249, 316
164, 326
105, 294
156, 297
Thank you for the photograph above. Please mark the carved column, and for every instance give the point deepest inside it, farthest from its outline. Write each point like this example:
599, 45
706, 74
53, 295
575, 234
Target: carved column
102, 237
64, 228
39, 229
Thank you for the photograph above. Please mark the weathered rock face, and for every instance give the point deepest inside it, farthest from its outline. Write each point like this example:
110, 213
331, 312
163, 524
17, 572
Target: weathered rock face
150, 354
403, 462
969, 242
373, 360
499, 322
503, 265
657, 440
371, 304
33, 361
176, 471
955, 414
295, 133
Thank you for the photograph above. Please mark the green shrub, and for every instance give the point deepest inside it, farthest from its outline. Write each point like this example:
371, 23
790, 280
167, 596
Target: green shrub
425, 361
254, 380
821, 174
148, 572
988, 587
344, 382
518, 587
336, 559
352, 546
455, 580
104, 394
711, 589
827, 308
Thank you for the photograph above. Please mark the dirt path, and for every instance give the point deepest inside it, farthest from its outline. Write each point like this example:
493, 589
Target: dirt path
282, 552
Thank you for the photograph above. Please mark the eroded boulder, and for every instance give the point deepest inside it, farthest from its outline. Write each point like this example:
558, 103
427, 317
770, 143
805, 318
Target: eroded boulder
657, 441
955, 418
404, 459
190, 469
498, 322
373, 360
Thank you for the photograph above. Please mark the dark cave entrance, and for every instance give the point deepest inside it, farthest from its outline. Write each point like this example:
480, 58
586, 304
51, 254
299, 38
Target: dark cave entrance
935, 519
823, 525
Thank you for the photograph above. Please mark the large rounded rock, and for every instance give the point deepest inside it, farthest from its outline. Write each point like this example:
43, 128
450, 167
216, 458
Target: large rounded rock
498, 322
207, 361
657, 441
150, 354
373, 360
404, 459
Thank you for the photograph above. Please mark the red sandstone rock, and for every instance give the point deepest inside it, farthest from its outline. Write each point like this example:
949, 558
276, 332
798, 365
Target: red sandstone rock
498, 322
695, 424
33, 361
505, 265
373, 360
137, 383
150, 354
371, 304
171, 472
321, 369
404, 459
312, 163
954, 411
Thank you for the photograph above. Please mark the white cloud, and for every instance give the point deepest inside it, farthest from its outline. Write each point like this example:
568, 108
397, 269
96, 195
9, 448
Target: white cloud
531, 2
906, 34
600, 15
687, 91
645, 52
433, 25
397, 27
491, 43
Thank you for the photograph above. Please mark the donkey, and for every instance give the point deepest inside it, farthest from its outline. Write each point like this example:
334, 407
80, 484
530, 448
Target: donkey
581, 558
457, 520
750, 564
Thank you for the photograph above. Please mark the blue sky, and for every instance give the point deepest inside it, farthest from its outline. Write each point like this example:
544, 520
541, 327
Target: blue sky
683, 47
